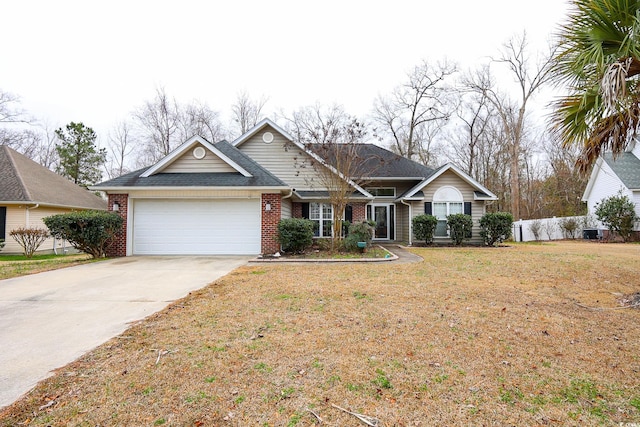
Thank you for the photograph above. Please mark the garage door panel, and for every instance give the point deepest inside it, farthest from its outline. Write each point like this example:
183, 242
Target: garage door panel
198, 227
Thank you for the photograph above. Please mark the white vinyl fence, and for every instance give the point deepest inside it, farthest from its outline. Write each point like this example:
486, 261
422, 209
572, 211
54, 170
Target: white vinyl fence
556, 228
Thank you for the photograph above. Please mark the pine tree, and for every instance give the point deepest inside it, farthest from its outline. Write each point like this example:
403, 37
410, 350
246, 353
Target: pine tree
80, 159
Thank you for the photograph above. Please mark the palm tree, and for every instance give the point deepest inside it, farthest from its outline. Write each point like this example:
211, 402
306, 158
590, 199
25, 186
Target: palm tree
598, 58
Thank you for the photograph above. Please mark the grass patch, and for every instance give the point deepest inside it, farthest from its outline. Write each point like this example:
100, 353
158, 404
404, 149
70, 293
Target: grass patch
469, 336
19, 265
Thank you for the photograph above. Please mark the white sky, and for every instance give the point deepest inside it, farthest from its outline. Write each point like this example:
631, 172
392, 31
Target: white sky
95, 62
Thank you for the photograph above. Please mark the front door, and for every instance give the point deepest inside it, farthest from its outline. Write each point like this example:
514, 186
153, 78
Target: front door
384, 217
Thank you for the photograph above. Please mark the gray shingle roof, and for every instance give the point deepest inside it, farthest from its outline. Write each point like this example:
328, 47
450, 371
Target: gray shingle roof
379, 162
627, 167
260, 176
23, 180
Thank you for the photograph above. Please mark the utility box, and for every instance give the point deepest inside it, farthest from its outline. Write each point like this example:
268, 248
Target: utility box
590, 234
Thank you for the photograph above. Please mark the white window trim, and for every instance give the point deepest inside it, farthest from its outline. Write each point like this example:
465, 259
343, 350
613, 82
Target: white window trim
369, 189
321, 219
447, 195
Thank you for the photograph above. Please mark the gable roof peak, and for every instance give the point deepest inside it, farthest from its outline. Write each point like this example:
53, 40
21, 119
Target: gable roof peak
258, 126
183, 148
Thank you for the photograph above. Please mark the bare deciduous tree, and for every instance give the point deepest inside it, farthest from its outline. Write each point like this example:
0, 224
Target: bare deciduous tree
410, 116
159, 123
247, 112
10, 110
163, 124
333, 137
198, 119
121, 144
513, 112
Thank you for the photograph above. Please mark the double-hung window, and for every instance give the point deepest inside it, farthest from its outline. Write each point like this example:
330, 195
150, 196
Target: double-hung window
446, 201
322, 214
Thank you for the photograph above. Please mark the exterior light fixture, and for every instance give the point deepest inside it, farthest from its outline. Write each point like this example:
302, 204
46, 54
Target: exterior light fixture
116, 206
267, 206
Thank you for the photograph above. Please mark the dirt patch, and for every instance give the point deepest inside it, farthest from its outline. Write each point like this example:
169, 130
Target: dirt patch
468, 336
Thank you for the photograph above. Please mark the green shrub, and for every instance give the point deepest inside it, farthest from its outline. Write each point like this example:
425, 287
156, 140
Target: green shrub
495, 227
459, 227
29, 238
424, 227
618, 214
295, 234
358, 232
91, 232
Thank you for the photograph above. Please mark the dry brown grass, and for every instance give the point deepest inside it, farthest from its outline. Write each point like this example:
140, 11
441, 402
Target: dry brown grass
471, 336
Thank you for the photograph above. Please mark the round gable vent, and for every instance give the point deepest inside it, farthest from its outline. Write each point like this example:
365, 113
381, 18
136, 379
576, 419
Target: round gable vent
267, 137
199, 153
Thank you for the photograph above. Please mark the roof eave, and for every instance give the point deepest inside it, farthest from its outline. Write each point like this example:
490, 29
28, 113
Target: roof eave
116, 190
392, 178
48, 204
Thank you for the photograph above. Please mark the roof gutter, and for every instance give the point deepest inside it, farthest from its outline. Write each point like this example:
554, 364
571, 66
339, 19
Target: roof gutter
128, 189
291, 190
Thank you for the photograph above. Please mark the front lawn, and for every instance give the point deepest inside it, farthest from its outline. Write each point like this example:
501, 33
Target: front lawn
522, 335
19, 265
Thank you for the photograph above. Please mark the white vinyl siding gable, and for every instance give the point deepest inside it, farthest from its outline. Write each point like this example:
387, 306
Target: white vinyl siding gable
450, 178
282, 158
606, 184
187, 163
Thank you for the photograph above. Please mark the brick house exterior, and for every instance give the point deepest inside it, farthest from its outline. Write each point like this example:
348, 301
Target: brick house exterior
228, 198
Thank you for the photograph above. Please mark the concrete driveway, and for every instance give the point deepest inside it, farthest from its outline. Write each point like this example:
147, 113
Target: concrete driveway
50, 319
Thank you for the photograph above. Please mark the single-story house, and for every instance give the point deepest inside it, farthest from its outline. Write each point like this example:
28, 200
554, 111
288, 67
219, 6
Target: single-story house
30, 192
612, 175
227, 198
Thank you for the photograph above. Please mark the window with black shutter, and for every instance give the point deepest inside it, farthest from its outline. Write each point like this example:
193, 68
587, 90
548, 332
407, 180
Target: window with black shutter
3, 222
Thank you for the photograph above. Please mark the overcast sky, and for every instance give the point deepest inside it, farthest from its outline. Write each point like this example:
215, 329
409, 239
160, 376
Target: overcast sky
95, 62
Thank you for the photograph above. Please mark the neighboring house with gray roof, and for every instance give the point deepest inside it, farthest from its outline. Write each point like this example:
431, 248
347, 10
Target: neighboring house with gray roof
30, 192
613, 175
227, 198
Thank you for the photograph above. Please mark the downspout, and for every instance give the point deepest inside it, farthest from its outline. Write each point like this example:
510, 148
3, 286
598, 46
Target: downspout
27, 214
410, 222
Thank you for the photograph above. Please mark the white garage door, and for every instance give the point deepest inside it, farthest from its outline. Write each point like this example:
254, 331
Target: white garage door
196, 227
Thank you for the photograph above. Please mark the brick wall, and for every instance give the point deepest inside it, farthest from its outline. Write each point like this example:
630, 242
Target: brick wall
119, 246
270, 219
296, 210
359, 212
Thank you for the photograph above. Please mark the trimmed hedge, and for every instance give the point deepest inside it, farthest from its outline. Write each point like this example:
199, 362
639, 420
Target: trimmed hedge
295, 234
495, 227
91, 232
460, 226
424, 227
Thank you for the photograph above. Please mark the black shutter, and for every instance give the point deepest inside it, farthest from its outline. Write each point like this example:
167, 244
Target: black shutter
3, 222
348, 213
305, 210
427, 208
467, 211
